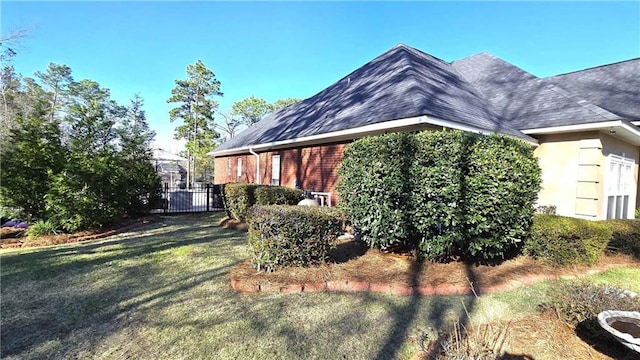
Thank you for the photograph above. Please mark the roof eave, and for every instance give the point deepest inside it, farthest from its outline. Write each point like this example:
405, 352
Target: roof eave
406, 124
622, 129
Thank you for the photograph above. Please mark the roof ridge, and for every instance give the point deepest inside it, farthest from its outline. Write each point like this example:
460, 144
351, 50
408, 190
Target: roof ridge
594, 67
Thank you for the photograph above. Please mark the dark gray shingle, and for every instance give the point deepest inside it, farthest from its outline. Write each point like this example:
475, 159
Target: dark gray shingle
523, 100
615, 87
401, 83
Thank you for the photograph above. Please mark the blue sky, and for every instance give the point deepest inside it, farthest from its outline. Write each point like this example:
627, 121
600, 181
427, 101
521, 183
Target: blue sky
295, 49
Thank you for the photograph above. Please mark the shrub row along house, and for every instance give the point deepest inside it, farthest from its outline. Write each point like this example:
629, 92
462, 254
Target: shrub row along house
583, 125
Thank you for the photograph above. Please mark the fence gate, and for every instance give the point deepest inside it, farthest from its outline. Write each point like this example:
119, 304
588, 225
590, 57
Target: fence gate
201, 198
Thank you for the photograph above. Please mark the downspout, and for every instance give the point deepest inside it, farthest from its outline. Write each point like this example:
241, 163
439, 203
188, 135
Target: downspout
257, 164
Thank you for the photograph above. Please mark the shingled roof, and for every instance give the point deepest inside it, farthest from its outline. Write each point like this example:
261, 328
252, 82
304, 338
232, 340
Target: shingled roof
614, 87
525, 101
480, 92
401, 83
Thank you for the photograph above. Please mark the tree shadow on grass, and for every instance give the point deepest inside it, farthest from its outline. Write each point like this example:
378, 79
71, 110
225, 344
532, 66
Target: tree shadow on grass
591, 333
42, 303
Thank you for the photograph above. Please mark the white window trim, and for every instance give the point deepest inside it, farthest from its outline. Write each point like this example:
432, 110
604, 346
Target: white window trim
239, 170
275, 171
621, 160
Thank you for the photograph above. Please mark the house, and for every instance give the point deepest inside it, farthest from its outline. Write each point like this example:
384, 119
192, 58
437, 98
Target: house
583, 125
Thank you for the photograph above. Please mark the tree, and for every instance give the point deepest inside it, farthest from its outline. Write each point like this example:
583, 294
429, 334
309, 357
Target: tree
36, 154
10, 84
196, 109
283, 103
91, 116
136, 175
58, 79
230, 125
250, 110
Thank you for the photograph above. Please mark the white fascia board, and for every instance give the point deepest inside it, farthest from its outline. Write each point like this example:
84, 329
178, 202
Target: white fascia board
622, 129
362, 131
572, 128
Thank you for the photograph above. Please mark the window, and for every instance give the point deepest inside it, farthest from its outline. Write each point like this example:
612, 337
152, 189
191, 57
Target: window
619, 183
275, 170
229, 166
239, 171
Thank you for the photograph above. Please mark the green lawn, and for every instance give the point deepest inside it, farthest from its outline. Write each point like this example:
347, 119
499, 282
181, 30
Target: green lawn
162, 291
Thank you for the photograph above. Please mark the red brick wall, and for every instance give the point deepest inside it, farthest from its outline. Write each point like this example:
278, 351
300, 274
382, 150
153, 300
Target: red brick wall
314, 167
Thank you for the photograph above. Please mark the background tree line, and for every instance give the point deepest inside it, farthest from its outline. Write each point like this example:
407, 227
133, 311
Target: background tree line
70, 155
197, 108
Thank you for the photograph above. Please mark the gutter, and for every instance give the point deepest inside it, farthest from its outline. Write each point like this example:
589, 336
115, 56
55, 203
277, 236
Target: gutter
257, 164
416, 123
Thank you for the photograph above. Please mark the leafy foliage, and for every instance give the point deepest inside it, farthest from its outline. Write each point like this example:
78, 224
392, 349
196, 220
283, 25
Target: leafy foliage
375, 189
500, 187
250, 110
625, 236
42, 227
443, 193
281, 236
196, 108
240, 197
278, 195
86, 169
564, 240
36, 153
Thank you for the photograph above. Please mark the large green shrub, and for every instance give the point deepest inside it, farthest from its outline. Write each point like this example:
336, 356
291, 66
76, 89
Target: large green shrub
375, 190
500, 188
625, 236
240, 197
281, 236
436, 192
564, 240
447, 194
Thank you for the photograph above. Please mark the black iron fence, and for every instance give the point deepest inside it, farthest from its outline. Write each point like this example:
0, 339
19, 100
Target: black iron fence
200, 198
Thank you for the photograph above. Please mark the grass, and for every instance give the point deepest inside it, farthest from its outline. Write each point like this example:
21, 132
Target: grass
162, 291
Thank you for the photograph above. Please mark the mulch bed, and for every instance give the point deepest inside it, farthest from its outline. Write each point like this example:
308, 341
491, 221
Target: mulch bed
355, 268
16, 238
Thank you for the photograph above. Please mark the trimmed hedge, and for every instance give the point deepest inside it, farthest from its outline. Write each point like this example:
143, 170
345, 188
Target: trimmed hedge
240, 197
436, 197
374, 188
446, 194
278, 195
564, 240
281, 236
625, 236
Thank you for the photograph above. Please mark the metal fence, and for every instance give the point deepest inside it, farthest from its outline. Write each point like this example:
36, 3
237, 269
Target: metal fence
201, 198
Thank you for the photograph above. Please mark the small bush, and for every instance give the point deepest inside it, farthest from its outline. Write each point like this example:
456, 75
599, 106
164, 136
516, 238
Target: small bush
42, 227
278, 195
564, 240
579, 303
240, 197
281, 236
625, 236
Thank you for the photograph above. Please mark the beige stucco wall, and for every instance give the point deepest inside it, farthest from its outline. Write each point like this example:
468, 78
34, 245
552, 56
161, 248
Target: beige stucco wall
574, 170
